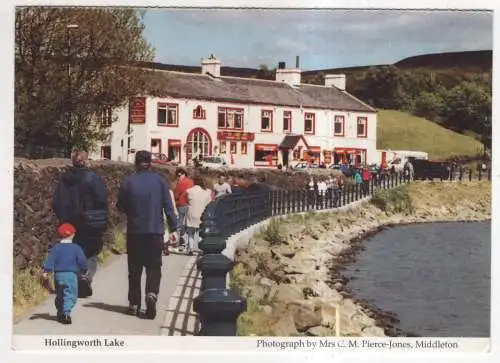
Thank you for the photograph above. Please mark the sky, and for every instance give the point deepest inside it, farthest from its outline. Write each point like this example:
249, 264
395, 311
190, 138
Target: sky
322, 38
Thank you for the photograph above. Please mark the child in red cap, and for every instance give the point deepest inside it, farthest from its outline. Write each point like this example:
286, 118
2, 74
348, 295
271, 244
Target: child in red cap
66, 260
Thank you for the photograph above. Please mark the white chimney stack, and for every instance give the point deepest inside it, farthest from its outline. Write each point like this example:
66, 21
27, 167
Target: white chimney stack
211, 65
291, 76
335, 80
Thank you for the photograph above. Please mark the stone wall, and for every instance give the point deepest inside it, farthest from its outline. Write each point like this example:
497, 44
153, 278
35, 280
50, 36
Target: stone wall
295, 287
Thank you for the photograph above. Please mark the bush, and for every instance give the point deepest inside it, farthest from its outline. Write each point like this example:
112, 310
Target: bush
395, 200
272, 232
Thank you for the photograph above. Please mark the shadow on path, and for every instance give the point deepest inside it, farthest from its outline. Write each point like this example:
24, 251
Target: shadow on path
107, 307
43, 316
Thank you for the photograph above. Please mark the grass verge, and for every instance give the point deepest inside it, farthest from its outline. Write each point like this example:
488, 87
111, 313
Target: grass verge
28, 292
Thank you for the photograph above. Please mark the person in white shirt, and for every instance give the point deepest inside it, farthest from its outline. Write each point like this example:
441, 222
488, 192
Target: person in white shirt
221, 188
322, 188
198, 198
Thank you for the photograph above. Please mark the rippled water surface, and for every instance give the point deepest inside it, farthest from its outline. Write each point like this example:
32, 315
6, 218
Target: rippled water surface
435, 277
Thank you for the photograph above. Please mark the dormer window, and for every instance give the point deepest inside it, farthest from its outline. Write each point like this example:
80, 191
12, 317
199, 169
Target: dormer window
199, 113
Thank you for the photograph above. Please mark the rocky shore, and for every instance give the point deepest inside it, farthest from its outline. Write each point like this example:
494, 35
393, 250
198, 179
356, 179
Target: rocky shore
291, 272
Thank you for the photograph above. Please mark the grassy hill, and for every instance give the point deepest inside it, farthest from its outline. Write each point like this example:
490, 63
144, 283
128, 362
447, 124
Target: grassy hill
401, 131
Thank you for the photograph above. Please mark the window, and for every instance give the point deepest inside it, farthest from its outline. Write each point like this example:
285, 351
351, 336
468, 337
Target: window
105, 117
266, 154
199, 113
168, 114
362, 126
266, 121
106, 152
198, 143
222, 147
230, 118
309, 126
338, 126
287, 121
243, 148
232, 147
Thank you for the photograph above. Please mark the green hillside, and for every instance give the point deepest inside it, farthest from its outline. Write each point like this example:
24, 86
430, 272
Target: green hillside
401, 131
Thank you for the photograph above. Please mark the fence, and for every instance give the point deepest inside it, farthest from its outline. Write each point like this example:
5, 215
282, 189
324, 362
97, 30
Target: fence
217, 306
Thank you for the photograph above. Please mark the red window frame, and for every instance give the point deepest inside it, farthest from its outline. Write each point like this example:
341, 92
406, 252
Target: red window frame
104, 148
166, 105
365, 119
339, 118
289, 114
309, 114
226, 110
244, 148
233, 147
175, 142
151, 144
222, 150
270, 120
199, 113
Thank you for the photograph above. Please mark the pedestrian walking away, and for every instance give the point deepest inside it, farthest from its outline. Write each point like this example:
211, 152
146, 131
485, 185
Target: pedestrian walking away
198, 198
180, 190
81, 199
145, 197
66, 260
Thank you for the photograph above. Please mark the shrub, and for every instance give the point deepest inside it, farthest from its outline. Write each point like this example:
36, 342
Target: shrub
272, 232
395, 200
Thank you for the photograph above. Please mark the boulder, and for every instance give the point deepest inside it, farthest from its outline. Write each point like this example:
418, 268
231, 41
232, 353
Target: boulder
373, 331
284, 326
286, 293
306, 314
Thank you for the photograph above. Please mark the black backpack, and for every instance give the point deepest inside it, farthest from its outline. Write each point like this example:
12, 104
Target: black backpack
90, 216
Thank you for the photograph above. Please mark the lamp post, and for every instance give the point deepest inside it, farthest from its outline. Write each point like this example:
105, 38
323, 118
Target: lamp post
70, 96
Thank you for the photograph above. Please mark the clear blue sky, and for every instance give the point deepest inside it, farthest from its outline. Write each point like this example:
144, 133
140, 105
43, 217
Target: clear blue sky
322, 38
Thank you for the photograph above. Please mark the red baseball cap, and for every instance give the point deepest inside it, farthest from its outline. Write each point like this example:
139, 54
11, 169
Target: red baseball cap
66, 230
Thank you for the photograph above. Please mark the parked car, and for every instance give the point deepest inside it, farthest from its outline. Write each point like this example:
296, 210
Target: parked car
428, 169
396, 166
214, 162
159, 158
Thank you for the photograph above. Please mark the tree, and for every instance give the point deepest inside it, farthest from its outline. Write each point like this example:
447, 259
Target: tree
67, 76
265, 73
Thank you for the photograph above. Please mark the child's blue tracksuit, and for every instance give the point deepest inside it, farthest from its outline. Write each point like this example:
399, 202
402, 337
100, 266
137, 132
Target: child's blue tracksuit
66, 260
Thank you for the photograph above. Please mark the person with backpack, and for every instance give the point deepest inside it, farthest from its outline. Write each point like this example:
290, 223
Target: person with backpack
145, 198
81, 199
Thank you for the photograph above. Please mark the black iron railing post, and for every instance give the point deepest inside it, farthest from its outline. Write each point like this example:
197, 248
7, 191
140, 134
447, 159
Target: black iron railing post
460, 173
489, 174
470, 174
218, 308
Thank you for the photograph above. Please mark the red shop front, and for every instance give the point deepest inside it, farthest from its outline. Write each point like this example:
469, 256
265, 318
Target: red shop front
351, 156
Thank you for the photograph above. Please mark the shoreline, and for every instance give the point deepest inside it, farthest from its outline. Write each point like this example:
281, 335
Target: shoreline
317, 250
383, 319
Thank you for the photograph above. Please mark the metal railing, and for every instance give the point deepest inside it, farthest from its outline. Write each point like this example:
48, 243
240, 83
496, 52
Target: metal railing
218, 307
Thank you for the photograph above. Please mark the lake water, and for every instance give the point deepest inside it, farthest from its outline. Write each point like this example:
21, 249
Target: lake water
435, 277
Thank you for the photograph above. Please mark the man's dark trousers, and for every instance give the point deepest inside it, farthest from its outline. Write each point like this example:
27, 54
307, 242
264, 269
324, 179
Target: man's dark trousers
144, 250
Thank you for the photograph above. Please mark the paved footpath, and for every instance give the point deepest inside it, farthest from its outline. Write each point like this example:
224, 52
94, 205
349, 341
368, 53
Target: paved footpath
104, 312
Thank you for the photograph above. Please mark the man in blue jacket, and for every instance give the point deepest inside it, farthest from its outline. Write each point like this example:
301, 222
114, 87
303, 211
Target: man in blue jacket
144, 196
81, 199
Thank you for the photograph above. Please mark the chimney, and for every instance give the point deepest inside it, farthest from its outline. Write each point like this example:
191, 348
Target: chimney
335, 80
211, 66
297, 64
290, 76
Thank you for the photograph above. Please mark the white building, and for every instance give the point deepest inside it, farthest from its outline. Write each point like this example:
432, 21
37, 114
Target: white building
250, 120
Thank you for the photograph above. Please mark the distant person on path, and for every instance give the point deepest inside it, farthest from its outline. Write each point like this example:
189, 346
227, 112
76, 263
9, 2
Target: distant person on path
144, 197
357, 177
221, 188
169, 243
183, 184
66, 260
366, 176
322, 189
335, 190
81, 199
198, 198
409, 170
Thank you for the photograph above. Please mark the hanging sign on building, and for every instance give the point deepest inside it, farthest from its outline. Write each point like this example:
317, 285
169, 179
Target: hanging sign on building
235, 135
137, 110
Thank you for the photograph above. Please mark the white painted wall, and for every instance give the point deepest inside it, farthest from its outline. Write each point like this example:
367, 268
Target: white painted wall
143, 133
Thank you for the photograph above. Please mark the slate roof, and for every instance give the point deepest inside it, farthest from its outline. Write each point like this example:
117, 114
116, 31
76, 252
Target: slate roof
251, 91
289, 141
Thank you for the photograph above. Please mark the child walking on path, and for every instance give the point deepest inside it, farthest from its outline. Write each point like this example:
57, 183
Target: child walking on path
67, 261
